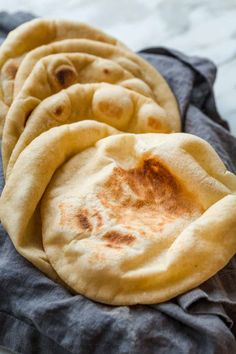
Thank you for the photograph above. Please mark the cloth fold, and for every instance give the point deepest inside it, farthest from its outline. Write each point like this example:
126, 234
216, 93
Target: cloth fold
39, 316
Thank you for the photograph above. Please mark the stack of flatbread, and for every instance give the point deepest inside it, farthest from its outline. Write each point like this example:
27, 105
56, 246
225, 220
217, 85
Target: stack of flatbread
103, 193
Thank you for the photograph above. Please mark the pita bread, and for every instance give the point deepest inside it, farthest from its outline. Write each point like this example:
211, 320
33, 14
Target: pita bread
85, 46
140, 224
117, 106
131, 62
37, 33
80, 136
55, 72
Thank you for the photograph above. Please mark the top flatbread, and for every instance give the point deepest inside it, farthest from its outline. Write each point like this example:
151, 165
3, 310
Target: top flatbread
36, 33
137, 224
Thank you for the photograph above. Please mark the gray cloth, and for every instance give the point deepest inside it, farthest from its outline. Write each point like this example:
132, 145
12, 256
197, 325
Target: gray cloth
9, 21
39, 316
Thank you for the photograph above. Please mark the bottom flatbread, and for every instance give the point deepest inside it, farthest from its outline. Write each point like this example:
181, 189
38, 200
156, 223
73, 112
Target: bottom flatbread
124, 218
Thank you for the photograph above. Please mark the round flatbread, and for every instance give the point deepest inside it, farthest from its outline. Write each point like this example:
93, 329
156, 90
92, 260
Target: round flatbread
54, 73
56, 146
131, 62
36, 33
115, 105
64, 69
85, 46
140, 224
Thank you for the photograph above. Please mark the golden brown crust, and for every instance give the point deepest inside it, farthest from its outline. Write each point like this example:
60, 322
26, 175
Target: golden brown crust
140, 224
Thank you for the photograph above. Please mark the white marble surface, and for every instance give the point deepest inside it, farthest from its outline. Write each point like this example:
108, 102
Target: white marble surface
196, 27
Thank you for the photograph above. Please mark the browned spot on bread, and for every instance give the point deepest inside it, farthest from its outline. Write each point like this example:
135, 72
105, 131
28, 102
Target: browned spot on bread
58, 110
106, 71
99, 220
83, 220
10, 69
146, 197
154, 123
65, 75
116, 238
110, 109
